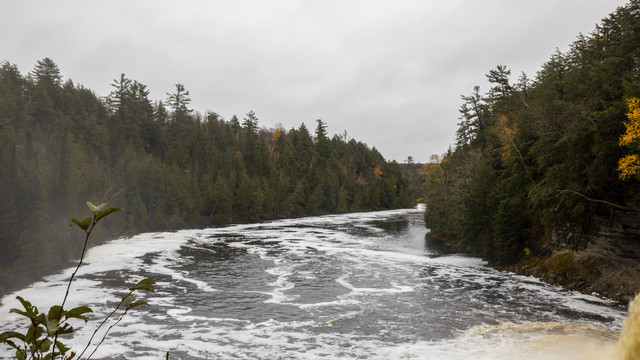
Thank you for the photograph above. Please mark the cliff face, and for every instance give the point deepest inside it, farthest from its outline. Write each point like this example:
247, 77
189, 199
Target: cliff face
608, 265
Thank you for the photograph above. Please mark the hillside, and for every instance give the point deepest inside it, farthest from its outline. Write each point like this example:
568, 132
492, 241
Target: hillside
539, 179
167, 165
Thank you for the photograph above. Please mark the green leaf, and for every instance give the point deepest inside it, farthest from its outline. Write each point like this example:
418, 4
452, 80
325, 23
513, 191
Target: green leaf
144, 284
62, 347
41, 319
142, 287
31, 335
26, 304
146, 281
128, 300
34, 333
10, 343
65, 329
10, 335
95, 209
21, 354
20, 312
84, 224
31, 310
105, 212
55, 312
52, 326
77, 313
45, 345
136, 304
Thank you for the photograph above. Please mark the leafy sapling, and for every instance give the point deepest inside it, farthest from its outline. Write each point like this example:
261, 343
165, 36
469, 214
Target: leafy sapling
40, 341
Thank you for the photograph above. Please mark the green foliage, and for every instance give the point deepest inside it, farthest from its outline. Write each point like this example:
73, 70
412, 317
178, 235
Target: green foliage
540, 154
508, 228
562, 264
170, 166
40, 340
43, 329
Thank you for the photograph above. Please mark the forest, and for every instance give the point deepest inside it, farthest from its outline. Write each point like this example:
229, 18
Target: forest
168, 166
546, 157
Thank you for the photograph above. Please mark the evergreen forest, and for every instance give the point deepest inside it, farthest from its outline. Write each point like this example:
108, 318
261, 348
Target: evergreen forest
544, 159
166, 165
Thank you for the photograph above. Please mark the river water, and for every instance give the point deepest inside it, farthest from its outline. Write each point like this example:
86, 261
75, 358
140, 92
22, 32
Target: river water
354, 286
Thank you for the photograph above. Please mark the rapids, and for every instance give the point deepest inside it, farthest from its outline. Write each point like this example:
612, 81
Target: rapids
353, 286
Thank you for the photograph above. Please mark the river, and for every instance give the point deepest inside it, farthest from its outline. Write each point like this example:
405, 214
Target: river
353, 286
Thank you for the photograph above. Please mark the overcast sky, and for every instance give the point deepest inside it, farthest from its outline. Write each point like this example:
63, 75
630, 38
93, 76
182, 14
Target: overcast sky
388, 72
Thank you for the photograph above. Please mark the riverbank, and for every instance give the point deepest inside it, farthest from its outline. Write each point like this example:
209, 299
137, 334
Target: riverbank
608, 265
587, 271
354, 286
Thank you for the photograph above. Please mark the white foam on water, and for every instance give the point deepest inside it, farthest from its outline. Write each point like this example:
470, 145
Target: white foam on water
161, 268
176, 312
373, 291
338, 303
367, 271
281, 285
275, 340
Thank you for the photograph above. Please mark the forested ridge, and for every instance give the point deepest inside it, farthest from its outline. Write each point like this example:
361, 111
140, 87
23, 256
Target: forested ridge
167, 165
543, 159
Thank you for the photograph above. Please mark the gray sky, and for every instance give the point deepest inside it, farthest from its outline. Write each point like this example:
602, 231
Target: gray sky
389, 72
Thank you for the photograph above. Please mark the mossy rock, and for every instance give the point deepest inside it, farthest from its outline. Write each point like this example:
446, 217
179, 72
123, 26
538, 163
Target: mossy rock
561, 264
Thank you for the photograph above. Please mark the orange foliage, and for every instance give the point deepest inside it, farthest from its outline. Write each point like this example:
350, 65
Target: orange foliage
506, 134
629, 165
377, 172
433, 172
276, 135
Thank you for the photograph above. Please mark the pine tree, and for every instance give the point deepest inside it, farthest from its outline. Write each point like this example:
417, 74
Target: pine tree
47, 72
508, 228
179, 102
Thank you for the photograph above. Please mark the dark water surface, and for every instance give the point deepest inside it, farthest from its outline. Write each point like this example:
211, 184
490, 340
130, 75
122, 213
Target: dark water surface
354, 286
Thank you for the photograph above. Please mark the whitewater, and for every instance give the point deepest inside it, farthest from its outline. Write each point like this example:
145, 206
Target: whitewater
353, 286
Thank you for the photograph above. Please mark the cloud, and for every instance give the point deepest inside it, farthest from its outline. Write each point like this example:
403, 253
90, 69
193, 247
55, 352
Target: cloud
390, 73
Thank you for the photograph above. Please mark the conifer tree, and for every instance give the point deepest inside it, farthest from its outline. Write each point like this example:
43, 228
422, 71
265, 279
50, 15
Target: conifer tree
171, 168
47, 72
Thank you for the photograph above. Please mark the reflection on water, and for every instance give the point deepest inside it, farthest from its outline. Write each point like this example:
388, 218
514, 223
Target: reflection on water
396, 226
353, 286
436, 246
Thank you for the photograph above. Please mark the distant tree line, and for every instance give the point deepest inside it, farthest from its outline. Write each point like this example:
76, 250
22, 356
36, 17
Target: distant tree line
538, 159
166, 165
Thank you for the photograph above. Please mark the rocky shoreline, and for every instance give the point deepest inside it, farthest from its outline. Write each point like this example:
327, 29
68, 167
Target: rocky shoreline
608, 266
585, 271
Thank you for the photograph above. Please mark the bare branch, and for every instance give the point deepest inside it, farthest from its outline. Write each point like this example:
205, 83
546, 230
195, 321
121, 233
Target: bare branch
620, 207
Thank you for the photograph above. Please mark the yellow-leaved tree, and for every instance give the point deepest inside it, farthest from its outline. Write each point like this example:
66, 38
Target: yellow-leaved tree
629, 165
507, 133
377, 172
